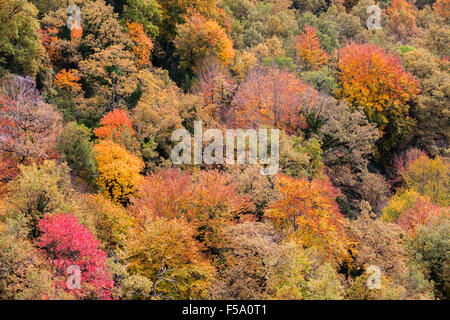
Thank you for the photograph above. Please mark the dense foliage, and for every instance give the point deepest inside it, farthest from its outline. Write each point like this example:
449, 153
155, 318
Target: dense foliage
89, 194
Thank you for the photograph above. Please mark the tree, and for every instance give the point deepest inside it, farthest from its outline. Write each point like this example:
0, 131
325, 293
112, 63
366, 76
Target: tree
244, 62
162, 194
199, 38
430, 108
68, 81
24, 273
259, 188
300, 157
164, 251
269, 97
29, 126
315, 6
215, 85
113, 124
8, 168
111, 76
402, 19
100, 29
310, 214
118, 171
216, 203
326, 285
400, 164
347, 25
321, 80
113, 224
39, 190
347, 137
441, 7
421, 213
65, 242
326, 31
207, 200
309, 50
378, 243
174, 13
429, 177
143, 46
374, 189
20, 47
383, 245
76, 149
156, 116
375, 82
431, 112
256, 265
146, 13
347, 140
388, 289
408, 208
436, 38
254, 22
271, 48
117, 127
430, 249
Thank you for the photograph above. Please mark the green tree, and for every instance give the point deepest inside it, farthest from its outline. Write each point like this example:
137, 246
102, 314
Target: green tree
146, 12
38, 190
431, 250
348, 141
20, 46
77, 150
24, 273
431, 108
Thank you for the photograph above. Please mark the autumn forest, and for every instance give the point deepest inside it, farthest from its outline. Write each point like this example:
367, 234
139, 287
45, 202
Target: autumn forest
93, 205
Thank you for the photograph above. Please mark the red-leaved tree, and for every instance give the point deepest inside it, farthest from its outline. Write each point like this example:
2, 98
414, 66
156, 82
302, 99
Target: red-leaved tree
66, 242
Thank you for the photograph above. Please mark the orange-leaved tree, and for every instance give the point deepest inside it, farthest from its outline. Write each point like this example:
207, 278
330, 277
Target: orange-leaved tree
421, 213
308, 211
309, 49
269, 97
143, 45
113, 124
207, 200
68, 80
374, 81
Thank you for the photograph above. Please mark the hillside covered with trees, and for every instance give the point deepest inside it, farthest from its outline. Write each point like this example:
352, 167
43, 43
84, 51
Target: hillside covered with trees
93, 207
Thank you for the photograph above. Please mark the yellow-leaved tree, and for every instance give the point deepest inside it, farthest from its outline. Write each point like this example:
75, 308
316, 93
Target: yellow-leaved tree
199, 38
118, 171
